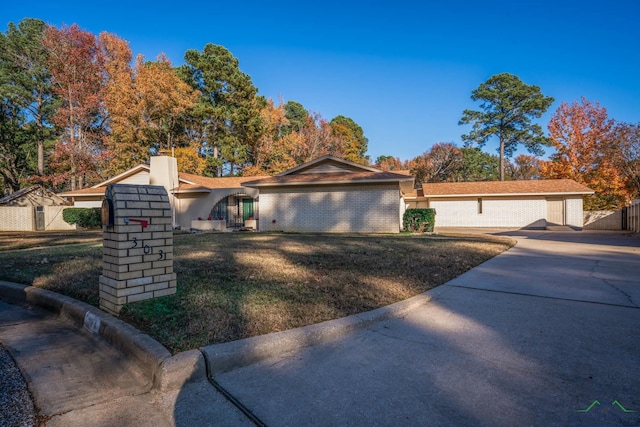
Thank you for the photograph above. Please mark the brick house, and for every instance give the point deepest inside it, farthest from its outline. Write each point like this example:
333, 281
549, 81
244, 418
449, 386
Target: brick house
191, 196
327, 194
332, 195
513, 204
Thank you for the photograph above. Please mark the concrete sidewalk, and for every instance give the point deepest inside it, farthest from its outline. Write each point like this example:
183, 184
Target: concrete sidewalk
531, 337
77, 379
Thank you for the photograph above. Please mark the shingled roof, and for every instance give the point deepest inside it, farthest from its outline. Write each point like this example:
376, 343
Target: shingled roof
329, 178
188, 183
329, 170
546, 187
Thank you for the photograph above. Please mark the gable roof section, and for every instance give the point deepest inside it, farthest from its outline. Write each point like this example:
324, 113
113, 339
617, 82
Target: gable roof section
330, 178
190, 183
123, 175
548, 187
329, 170
328, 164
15, 196
187, 183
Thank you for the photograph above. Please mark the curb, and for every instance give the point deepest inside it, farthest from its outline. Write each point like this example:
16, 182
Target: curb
225, 357
164, 371
167, 372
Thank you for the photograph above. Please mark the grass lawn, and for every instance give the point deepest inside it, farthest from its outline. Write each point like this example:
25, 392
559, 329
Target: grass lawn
237, 285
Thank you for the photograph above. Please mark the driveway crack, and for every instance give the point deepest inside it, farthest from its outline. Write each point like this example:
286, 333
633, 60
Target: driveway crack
629, 297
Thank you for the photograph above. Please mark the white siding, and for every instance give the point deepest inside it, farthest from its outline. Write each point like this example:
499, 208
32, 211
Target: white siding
574, 215
332, 209
496, 212
140, 178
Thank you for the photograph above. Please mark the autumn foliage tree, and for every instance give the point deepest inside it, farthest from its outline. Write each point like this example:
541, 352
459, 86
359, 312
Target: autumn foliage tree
76, 65
164, 101
581, 133
148, 108
390, 163
523, 167
275, 147
317, 139
106, 112
624, 150
126, 141
439, 164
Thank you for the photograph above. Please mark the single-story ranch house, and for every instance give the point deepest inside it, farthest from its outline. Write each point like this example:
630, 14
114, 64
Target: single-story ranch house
516, 204
325, 195
333, 195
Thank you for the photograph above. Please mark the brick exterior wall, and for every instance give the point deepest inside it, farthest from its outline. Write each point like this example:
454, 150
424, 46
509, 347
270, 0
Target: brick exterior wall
573, 211
603, 220
137, 261
331, 209
511, 212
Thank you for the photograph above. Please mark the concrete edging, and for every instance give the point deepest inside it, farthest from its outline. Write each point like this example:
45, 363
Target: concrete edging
164, 371
224, 357
167, 372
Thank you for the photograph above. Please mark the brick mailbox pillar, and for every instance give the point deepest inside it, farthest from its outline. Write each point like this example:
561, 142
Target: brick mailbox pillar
137, 254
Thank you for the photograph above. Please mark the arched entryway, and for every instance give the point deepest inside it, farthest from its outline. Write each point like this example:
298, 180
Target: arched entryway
238, 210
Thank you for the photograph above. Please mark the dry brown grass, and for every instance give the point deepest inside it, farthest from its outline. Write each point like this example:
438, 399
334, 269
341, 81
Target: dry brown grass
10, 241
236, 285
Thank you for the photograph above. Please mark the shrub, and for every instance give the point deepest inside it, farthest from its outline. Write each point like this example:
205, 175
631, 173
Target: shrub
83, 217
419, 220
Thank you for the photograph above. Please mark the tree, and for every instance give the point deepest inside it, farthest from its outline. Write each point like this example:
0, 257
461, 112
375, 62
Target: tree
390, 163
296, 115
581, 133
76, 66
147, 108
508, 106
275, 149
477, 166
625, 152
227, 112
25, 83
125, 141
352, 135
15, 147
316, 139
439, 164
164, 101
523, 167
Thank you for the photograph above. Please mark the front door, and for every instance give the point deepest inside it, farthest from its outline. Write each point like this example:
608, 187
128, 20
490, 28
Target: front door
247, 209
555, 211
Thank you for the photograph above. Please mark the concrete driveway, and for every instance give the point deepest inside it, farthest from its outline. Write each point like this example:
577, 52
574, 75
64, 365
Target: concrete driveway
545, 334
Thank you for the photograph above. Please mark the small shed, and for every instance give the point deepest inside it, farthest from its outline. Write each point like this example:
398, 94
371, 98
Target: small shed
33, 209
36, 195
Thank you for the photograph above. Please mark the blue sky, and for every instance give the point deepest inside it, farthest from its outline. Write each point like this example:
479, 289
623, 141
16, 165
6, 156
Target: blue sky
403, 70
